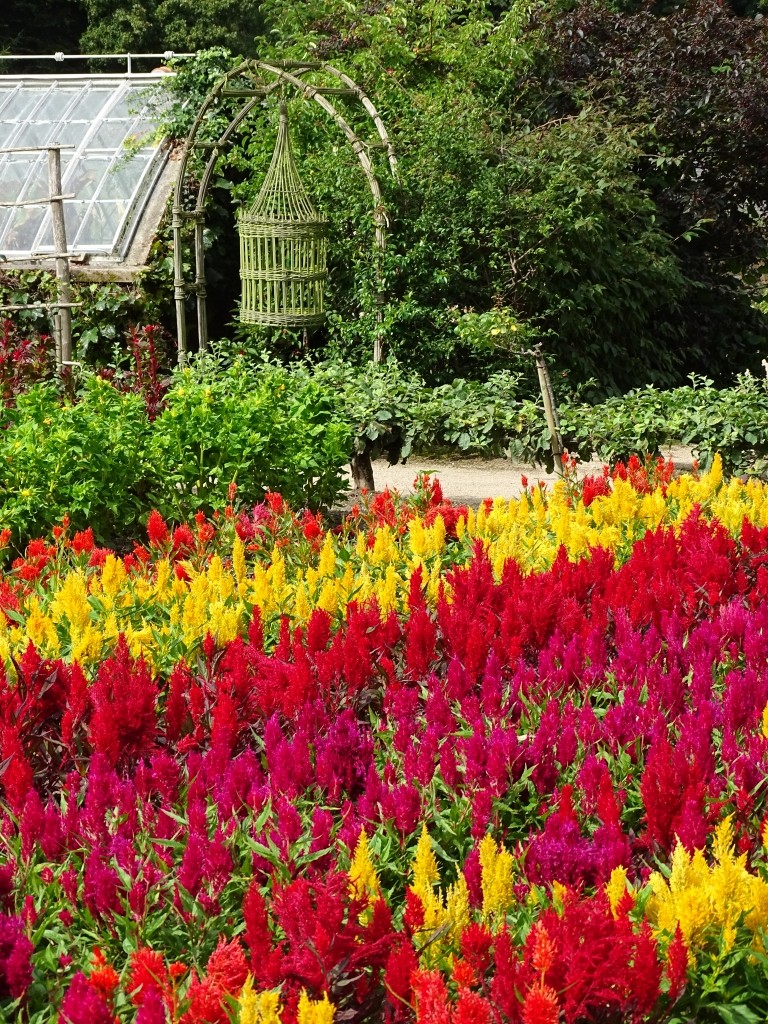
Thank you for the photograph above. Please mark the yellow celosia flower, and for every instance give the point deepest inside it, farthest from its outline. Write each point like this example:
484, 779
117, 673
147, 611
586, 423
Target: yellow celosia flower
425, 876
706, 900
425, 873
314, 1011
765, 721
616, 888
496, 877
239, 566
363, 880
457, 909
41, 630
113, 576
327, 564
71, 603
258, 1007
558, 896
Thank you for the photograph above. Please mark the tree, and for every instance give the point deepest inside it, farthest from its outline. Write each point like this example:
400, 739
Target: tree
697, 78
154, 26
39, 26
536, 173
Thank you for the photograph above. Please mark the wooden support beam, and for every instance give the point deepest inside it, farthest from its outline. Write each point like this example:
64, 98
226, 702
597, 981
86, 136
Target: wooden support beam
39, 202
64, 315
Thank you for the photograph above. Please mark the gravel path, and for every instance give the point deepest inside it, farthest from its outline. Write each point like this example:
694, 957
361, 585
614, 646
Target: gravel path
468, 481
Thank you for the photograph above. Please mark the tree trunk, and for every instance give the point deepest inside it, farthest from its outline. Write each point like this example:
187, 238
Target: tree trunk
362, 471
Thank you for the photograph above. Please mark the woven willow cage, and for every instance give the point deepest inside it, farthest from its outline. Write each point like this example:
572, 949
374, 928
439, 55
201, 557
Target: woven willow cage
283, 247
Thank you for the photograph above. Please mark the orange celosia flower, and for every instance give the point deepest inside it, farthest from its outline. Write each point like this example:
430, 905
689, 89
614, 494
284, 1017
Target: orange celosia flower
540, 1006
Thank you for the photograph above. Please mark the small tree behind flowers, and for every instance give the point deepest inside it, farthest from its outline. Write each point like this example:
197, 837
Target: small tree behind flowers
23, 361
147, 349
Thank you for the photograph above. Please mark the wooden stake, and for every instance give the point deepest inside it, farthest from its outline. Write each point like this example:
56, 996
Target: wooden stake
64, 312
550, 409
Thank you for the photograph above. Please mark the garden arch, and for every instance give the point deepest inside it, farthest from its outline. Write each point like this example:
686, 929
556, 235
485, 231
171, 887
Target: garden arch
253, 80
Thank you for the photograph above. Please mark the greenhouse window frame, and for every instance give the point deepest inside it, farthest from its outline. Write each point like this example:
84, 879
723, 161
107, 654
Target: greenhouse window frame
129, 220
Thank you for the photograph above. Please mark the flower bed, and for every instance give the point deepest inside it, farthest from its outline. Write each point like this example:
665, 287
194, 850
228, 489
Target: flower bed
438, 764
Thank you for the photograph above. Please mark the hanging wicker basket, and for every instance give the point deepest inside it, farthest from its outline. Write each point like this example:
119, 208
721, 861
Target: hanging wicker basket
283, 247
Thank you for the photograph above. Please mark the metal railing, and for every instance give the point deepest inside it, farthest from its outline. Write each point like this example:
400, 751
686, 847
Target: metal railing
60, 57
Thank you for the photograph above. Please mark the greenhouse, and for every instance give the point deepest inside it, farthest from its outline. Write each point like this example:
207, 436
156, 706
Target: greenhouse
115, 169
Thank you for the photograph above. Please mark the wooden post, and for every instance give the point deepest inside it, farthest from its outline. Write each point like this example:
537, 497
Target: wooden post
64, 312
550, 409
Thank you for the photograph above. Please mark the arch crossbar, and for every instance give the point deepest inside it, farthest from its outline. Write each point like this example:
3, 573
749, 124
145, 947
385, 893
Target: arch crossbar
280, 75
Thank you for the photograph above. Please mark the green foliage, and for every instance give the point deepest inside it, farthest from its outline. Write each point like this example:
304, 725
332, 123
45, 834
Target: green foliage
154, 26
732, 421
39, 26
99, 460
391, 412
692, 75
86, 459
263, 430
577, 203
105, 312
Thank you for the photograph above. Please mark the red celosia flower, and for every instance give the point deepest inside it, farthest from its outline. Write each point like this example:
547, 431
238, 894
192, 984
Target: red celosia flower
432, 1006
15, 958
83, 542
103, 977
275, 502
148, 974
183, 541
471, 1008
476, 943
677, 965
543, 950
123, 721
99, 557
413, 918
210, 996
157, 530
311, 526
401, 964
464, 975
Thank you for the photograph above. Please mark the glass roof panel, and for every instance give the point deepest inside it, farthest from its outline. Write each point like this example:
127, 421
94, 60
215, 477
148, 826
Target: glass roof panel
13, 174
110, 169
110, 134
89, 103
22, 102
124, 176
55, 104
102, 223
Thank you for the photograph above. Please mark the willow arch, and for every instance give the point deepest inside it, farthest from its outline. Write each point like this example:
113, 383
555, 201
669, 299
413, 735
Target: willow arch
262, 78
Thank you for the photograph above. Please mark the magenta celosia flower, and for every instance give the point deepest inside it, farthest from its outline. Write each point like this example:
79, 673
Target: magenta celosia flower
15, 958
152, 1009
83, 1004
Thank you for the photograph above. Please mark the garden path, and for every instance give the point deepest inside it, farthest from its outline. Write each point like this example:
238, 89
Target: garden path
467, 481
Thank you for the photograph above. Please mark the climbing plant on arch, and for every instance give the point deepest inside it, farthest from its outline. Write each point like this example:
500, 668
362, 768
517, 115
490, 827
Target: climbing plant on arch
252, 81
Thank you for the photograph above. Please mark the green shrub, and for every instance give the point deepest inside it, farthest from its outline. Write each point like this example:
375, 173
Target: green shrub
264, 429
99, 460
732, 421
86, 459
391, 412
